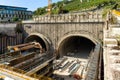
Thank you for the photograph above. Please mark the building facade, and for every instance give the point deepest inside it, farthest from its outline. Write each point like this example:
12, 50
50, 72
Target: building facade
12, 13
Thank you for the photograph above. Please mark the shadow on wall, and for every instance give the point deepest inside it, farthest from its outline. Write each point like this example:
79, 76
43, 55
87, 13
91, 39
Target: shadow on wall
10, 34
43, 40
76, 45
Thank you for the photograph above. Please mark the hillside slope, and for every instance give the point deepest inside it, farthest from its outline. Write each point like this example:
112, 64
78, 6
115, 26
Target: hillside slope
67, 6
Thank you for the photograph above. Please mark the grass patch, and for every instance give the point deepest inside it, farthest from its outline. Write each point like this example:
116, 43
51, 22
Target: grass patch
76, 5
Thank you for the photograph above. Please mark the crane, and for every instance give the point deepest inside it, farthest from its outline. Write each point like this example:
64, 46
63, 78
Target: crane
49, 6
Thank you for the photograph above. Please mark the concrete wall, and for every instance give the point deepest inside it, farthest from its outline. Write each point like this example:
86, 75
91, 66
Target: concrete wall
8, 28
8, 36
71, 17
56, 28
56, 32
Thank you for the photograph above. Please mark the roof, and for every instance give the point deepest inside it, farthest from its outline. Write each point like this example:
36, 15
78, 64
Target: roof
12, 7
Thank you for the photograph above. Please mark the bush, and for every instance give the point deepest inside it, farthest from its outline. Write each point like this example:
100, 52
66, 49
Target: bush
19, 28
76, 5
15, 19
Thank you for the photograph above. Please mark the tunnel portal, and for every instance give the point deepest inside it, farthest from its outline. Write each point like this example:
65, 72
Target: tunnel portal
76, 45
37, 38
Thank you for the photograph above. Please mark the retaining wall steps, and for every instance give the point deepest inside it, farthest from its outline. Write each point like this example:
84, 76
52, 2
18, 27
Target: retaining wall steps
110, 42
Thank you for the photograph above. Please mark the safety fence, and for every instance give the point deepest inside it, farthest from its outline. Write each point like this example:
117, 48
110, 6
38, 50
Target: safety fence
16, 38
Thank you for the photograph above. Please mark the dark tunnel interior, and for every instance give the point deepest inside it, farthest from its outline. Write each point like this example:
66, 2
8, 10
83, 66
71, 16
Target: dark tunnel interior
77, 46
34, 38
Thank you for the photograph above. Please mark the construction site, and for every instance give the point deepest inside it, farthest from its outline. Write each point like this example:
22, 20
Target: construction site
40, 57
73, 46
31, 61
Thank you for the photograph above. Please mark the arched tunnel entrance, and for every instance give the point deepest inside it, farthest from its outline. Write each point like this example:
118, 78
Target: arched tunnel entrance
44, 42
76, 46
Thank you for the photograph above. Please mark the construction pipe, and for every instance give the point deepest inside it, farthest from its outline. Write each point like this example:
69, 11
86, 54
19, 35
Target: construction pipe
40, 38
25, 46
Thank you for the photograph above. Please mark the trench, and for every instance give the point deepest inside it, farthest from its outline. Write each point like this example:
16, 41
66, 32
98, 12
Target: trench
76, 46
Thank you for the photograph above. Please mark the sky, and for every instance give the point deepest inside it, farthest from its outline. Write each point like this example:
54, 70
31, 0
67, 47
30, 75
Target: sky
30, 4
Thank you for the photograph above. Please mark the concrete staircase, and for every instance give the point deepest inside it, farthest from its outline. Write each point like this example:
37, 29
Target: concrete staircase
111, 48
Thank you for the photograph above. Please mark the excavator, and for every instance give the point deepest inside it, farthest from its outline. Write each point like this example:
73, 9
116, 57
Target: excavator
115, 13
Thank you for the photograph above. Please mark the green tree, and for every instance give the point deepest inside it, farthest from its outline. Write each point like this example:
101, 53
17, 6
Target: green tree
40, 11
65, 1
15, 19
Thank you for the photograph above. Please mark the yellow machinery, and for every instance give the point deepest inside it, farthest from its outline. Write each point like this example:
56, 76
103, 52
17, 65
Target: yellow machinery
49, 6
113, 16
116, 13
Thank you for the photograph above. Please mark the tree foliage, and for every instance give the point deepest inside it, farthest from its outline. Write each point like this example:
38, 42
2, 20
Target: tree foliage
15, 19
66, 6
40, 11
